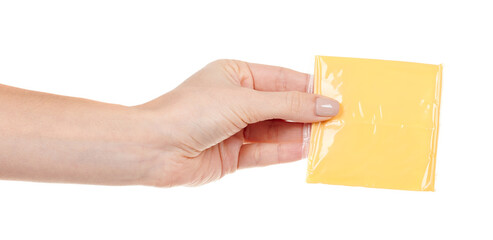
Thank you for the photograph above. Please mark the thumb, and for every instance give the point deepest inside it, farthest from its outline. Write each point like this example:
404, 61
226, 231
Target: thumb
294, 106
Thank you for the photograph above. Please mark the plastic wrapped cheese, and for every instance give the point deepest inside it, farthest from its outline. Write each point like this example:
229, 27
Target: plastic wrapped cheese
385, 135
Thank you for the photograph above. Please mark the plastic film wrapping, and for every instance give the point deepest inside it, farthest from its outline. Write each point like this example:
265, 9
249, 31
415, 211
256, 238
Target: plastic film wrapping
385, 135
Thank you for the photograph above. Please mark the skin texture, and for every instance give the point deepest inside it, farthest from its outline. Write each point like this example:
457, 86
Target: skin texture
227, 116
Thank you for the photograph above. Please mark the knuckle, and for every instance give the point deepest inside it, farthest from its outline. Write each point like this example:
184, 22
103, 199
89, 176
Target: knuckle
281, 82
224, 63
233, 67
294, 101
219, 61
248, 110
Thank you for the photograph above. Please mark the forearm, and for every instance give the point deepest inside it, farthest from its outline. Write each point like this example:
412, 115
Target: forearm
52, 138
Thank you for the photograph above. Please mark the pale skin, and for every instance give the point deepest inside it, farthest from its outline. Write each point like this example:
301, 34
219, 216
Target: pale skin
227, 116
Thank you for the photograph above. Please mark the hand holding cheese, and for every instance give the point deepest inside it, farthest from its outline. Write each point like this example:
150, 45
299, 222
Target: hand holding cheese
227, 116
230, 115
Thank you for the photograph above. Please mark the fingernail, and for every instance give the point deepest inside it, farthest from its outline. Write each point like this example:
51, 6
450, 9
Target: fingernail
326, 107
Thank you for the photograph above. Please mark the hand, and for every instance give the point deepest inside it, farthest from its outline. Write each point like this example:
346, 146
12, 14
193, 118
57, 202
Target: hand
225, 117
228, 116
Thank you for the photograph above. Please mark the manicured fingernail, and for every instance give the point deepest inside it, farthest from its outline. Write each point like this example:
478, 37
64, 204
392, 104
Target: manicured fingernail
326, 107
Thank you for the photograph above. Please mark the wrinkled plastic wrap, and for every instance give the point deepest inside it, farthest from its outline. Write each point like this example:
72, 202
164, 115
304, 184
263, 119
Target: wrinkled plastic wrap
385, 135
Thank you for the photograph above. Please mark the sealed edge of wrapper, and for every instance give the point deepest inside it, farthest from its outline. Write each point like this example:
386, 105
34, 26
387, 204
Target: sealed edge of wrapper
430, 184
311, 128
307, 126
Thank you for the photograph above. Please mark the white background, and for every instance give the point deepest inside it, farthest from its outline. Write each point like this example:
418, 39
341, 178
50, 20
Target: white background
128, 52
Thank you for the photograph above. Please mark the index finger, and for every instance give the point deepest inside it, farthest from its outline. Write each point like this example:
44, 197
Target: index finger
273, 78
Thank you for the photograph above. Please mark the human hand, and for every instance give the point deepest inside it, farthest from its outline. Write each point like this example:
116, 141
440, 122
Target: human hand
227, 116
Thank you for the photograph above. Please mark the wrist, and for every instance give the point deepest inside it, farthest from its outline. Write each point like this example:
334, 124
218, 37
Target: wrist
150, 134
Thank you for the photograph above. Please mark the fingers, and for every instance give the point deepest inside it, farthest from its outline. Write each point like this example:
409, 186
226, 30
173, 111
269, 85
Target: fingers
272, 78
274, 131
263, 154
294, 106
282, 95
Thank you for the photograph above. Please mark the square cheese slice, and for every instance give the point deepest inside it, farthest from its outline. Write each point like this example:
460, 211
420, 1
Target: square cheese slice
385, 135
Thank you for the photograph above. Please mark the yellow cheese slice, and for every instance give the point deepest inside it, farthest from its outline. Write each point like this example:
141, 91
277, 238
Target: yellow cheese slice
385, 135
